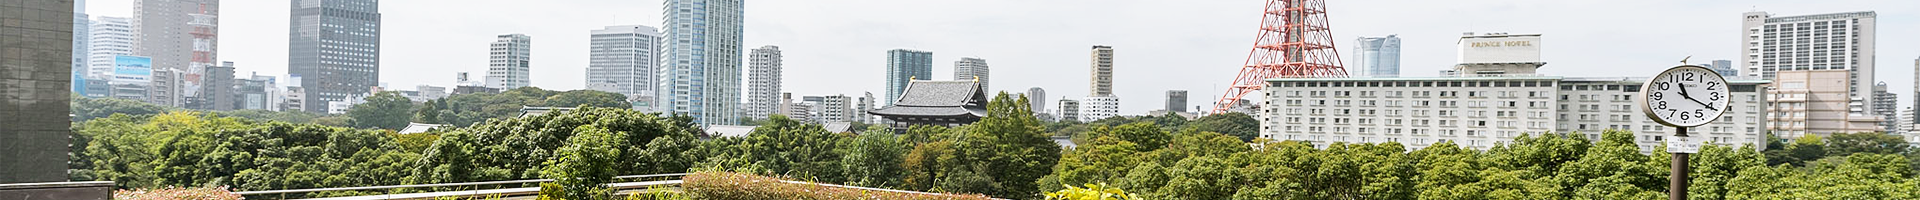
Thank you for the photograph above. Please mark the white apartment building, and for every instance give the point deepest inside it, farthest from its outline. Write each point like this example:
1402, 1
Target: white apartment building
1815, 102
1480, 112
763, 82
1099, 107
508, 62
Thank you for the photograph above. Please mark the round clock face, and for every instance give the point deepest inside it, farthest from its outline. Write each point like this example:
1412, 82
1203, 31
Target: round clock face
1685, 96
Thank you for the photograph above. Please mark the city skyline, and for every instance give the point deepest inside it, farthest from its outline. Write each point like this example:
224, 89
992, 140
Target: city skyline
1034, 47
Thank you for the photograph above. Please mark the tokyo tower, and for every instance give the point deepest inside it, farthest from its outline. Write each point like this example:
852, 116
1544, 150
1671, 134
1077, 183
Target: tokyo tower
1293, 42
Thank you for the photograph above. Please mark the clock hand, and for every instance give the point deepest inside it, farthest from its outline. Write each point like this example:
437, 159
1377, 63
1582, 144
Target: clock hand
1683, 94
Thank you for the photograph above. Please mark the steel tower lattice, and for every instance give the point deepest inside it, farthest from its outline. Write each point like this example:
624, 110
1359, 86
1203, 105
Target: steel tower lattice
1294, 42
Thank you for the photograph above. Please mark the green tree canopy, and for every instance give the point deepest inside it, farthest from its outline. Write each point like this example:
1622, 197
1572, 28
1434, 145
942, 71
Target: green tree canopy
386, 110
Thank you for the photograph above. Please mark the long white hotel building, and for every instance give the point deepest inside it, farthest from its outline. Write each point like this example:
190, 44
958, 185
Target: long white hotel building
1495, 97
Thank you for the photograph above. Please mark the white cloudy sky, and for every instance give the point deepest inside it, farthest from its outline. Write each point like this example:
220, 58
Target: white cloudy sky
838, 46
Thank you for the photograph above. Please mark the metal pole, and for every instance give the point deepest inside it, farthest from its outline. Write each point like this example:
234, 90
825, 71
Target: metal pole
1677, 182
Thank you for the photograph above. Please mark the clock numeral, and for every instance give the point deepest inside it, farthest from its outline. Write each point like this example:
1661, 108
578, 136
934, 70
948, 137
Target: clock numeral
1662, 85
1657, 96
1684, 116
1711, 84
1687, 77
1713, 96
1661, 105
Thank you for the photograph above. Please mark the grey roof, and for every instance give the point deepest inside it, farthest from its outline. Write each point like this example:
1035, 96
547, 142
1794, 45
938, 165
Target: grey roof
730, 131
420, 128
938, 98
531, 111
839, 127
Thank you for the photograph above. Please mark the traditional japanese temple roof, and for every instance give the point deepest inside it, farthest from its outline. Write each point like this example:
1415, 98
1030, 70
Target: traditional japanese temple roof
938, 99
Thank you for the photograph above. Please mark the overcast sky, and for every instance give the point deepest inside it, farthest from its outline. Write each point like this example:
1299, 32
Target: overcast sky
839, 46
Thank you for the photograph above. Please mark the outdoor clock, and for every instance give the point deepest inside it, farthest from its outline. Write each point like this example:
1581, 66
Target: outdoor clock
1685, 96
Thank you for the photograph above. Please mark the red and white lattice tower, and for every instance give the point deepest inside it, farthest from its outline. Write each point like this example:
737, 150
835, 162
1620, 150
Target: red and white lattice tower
1294, 42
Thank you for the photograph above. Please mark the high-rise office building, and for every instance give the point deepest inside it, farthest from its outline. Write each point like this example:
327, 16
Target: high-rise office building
970, 68
622, 59
1177, 100
1378, 56
182, 36
35, 106
1101, 83
1884, 106
1723, 67
508, 65
700, 71
904, 66
216, 91
1037, 97
1834, 41
109, 37
79, 58
1916, 91
763, 82
334, 46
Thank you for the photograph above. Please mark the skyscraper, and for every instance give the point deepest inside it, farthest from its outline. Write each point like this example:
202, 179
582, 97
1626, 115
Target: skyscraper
334, 46
1884, 104
508, 66
216, 92
110, 37
1176, 100
1037, 97
1102, 69
1724, 68
80, 26
622, 60
700, 74
180, 35
34, 138
1842, 41
970, 68
1378, 56
1100, 103
763, 82
904, 66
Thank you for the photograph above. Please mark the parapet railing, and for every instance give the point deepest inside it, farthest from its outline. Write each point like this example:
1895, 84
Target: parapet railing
282, 194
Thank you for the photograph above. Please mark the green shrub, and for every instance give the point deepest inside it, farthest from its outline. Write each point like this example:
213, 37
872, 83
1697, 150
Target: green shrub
170, 193
1091, 192
737, 186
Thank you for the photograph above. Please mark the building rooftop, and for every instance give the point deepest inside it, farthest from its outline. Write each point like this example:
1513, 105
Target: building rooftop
938, 98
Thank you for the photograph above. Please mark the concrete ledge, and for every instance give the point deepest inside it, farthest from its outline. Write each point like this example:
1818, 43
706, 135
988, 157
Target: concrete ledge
90, 190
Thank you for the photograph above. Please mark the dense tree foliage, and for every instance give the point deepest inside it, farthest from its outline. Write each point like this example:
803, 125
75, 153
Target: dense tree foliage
467, 109
783, 146
387, 110
515, 148
90, 108
1547, 166
195, 149
1008, 154
584, 167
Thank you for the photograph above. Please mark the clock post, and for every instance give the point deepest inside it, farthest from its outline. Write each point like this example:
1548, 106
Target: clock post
1677, 182
1684, 97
